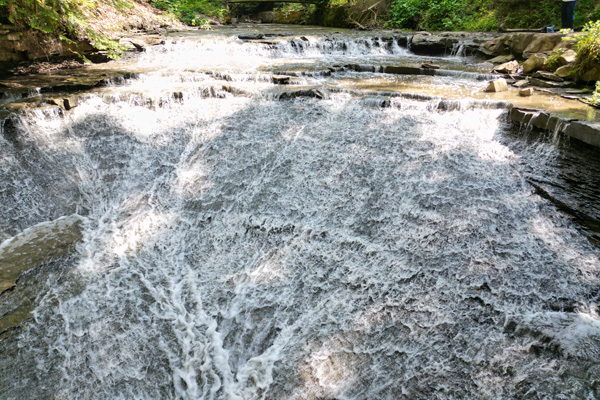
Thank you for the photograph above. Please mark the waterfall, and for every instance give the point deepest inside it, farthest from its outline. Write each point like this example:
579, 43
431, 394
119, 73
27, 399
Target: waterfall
219, 242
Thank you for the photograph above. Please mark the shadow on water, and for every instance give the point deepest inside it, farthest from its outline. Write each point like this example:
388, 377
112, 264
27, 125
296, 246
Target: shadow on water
304, 249
564, 171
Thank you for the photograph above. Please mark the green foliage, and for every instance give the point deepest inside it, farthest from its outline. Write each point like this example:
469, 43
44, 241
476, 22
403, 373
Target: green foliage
406, 13
587, 45
193, 12
295, 13
595, 100
552, 63
485, 15
483, 20
63, 19
443, 15
429, 14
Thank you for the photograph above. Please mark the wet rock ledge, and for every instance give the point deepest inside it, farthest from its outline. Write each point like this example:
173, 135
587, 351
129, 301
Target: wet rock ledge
587, 132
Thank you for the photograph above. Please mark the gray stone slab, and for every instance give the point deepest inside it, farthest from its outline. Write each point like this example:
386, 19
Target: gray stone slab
587, 132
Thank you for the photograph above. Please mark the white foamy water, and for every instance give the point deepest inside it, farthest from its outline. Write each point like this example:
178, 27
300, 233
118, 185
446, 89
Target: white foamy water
250, 248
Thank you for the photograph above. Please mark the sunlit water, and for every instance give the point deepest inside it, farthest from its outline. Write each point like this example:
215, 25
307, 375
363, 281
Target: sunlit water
244, 247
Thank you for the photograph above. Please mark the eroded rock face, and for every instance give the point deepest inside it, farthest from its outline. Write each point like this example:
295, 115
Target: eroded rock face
497, 85
543, 43
30, 45
431, 45
519, 42
525, 44
566, 71
495, 47
567, 57
526, 92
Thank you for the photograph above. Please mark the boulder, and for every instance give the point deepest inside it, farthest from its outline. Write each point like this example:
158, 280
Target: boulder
154, 40
431, 44
519, 41
281, 79
542, 43
70, 102
526, 92
534, 63
507, 68
549, 76
497, 85
524, 44
567, 57
591, 75
566, 71
314, 93
495, 47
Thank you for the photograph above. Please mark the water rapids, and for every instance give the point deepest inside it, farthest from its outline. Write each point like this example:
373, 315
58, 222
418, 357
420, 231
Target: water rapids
233, 245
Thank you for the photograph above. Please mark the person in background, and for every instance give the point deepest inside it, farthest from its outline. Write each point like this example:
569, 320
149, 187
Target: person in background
568, 14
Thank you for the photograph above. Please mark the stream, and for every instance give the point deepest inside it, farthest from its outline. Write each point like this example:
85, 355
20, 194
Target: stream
258, 219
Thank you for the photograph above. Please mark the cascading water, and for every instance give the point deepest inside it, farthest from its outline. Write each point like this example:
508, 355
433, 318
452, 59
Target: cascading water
244, 247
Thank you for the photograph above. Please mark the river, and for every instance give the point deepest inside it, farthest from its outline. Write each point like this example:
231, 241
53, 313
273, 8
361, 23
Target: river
205, 231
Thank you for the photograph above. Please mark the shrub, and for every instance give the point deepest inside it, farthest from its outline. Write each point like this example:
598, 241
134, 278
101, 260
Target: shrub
552, 62
587, 45
595, 100
484, 20
429, 14
405, 13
